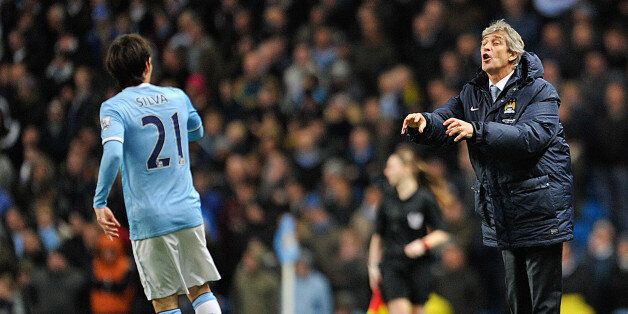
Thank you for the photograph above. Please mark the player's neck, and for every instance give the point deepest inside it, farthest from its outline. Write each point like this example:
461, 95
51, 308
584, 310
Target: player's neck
406, 188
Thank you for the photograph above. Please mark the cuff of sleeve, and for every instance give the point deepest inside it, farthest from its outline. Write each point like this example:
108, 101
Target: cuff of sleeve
415, 136
478, 133
196, 128
99, 203
112, 138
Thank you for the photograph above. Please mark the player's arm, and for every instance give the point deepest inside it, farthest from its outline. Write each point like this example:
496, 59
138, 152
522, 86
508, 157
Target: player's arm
436, 237
195, 127
112, 138
376, 250
374, 258
194, 123
109, 166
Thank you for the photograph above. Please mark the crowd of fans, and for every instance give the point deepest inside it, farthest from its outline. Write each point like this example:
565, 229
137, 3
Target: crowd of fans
301, 102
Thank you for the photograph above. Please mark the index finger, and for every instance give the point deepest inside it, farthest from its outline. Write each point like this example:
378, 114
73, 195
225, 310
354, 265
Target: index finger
107, 223
448, 121
116, 221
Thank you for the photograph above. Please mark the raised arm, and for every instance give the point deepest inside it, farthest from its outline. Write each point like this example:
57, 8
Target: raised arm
427, 128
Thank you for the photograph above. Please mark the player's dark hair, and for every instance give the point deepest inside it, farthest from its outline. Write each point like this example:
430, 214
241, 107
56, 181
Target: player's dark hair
126, 59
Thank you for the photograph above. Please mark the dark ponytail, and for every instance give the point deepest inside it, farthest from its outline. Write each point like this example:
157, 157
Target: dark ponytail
435, 183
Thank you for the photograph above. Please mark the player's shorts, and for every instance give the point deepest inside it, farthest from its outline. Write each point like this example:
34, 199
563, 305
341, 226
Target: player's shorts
410, 282
172, 263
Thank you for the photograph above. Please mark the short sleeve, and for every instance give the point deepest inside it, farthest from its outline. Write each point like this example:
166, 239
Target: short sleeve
432, 211
380, 222
111, 124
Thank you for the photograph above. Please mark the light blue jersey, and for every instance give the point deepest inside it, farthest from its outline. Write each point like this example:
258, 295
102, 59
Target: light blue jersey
154, 124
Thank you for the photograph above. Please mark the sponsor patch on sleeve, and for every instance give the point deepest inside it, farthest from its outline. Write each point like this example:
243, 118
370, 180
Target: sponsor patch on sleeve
105, 122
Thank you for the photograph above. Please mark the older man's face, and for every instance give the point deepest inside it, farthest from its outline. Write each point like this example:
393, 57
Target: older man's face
495, 53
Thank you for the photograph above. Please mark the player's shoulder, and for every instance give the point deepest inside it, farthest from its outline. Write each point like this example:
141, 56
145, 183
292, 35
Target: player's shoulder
173, 94
114, 103
424, 194
171, 90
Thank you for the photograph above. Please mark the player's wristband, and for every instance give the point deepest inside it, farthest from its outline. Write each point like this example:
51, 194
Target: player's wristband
425, 245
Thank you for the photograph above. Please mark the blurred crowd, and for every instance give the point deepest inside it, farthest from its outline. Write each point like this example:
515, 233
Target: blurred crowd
301, 102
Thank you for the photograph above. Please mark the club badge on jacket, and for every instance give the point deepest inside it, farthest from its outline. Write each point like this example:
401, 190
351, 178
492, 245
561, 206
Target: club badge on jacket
510, 106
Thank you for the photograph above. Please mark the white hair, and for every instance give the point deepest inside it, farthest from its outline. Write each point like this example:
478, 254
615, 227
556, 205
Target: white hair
513, 39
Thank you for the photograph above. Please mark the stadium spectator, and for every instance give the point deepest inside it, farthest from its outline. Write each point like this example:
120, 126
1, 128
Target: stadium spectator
619, 278
57, 287
112, 272
457, 282
11, 300
574, 274
600, 258
312, 289
255, 286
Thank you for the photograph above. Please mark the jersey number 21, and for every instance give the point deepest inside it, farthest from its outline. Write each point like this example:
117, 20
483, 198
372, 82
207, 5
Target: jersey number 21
154, 162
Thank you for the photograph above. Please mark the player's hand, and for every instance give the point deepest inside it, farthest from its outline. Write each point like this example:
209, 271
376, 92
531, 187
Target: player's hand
414, 120
458, 128
107, 221
375, 277
415, 249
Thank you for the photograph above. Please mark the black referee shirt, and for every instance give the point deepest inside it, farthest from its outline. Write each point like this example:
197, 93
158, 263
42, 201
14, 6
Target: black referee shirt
401, 222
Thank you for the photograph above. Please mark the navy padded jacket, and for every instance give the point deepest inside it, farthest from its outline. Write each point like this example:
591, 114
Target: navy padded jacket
523, 191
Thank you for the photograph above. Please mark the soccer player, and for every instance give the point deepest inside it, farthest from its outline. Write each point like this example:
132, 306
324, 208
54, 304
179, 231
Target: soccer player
145, 130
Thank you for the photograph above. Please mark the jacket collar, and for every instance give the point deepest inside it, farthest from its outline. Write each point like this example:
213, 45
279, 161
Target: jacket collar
529, 68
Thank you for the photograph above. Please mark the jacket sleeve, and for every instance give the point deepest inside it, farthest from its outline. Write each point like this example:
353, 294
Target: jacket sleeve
528, 137
434, 132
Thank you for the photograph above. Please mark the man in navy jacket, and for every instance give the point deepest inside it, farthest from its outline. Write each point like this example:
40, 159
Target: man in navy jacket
508, 115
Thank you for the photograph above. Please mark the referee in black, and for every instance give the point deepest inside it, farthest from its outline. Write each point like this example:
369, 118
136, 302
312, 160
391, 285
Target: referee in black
399, 252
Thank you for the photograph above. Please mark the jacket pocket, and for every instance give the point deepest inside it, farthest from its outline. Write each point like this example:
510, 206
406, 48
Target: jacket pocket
530, 200
481, 203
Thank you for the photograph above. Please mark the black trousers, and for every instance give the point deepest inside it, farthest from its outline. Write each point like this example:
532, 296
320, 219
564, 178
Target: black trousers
534, 279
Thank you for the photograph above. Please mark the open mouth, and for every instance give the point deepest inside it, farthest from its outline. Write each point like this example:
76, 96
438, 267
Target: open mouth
486, 57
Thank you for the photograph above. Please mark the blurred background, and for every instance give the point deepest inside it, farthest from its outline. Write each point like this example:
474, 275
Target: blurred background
302, 103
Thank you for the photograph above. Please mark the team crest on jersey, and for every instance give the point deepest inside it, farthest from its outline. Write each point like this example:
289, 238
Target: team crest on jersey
415, 220
510, 106
105, 122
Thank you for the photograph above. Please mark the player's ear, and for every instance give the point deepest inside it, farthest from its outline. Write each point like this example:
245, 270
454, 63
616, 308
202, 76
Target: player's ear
149, 67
